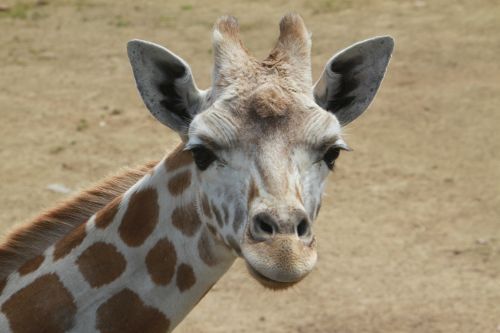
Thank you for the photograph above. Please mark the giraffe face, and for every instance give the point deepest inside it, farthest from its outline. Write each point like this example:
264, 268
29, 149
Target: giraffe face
263, 172
263, 137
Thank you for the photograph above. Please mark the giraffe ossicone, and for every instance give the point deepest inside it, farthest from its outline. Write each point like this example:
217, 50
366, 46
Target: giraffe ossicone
138, 251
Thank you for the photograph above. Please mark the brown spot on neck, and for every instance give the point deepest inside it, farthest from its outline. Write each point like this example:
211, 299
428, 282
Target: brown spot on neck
178, 159
101, 264
68, 243
125, 312
186, 219
31, 265
105, 216
185, 277
179, 183
45, 305
141, 217
161, 261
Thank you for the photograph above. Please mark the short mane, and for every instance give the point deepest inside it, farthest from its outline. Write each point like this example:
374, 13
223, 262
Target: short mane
35, 237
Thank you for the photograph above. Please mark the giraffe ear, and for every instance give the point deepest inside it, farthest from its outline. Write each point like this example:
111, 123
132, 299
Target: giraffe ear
351, 78
165, 83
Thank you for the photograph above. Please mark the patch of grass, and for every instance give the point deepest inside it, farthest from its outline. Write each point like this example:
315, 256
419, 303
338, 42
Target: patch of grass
83, 4
120, 22
18, 11
19, 62
38, 16
187, 7
23, 11
322, 6
83, 124
56, 150
116, 112
166, 21
36, 52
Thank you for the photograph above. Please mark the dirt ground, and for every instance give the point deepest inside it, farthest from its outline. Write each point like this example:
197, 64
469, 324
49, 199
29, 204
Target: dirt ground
409, 233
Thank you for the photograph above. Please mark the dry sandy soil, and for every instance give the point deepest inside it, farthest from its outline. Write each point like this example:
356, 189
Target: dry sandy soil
409, 236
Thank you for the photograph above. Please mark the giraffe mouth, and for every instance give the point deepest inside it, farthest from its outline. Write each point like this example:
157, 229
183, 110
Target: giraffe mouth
270, 283
281, 262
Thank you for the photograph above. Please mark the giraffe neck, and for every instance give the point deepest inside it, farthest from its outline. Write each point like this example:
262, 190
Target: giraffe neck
140, 264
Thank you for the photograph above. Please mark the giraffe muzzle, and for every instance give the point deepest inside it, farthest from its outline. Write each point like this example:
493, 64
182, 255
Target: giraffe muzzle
279, 261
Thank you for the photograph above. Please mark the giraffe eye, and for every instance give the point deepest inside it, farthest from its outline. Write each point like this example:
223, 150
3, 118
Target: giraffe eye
330, 157
203, 157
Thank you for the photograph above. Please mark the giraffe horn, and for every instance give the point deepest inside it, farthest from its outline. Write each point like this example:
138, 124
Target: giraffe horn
229, 52
294, 47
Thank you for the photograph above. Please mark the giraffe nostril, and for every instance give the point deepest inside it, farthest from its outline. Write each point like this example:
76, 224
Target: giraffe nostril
303, 228
264, 226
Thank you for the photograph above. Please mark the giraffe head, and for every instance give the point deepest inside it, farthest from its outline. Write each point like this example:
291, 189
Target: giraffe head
263, 137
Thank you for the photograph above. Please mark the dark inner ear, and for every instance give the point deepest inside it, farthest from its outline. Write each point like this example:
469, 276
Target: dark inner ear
172, 100
165, 83
340, 98
351, 78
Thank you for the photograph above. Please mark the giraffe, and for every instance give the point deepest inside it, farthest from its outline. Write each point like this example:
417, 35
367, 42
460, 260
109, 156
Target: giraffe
138, 251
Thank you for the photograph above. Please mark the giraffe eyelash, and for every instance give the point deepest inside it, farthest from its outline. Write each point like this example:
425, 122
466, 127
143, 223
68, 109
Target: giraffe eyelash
203, 157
